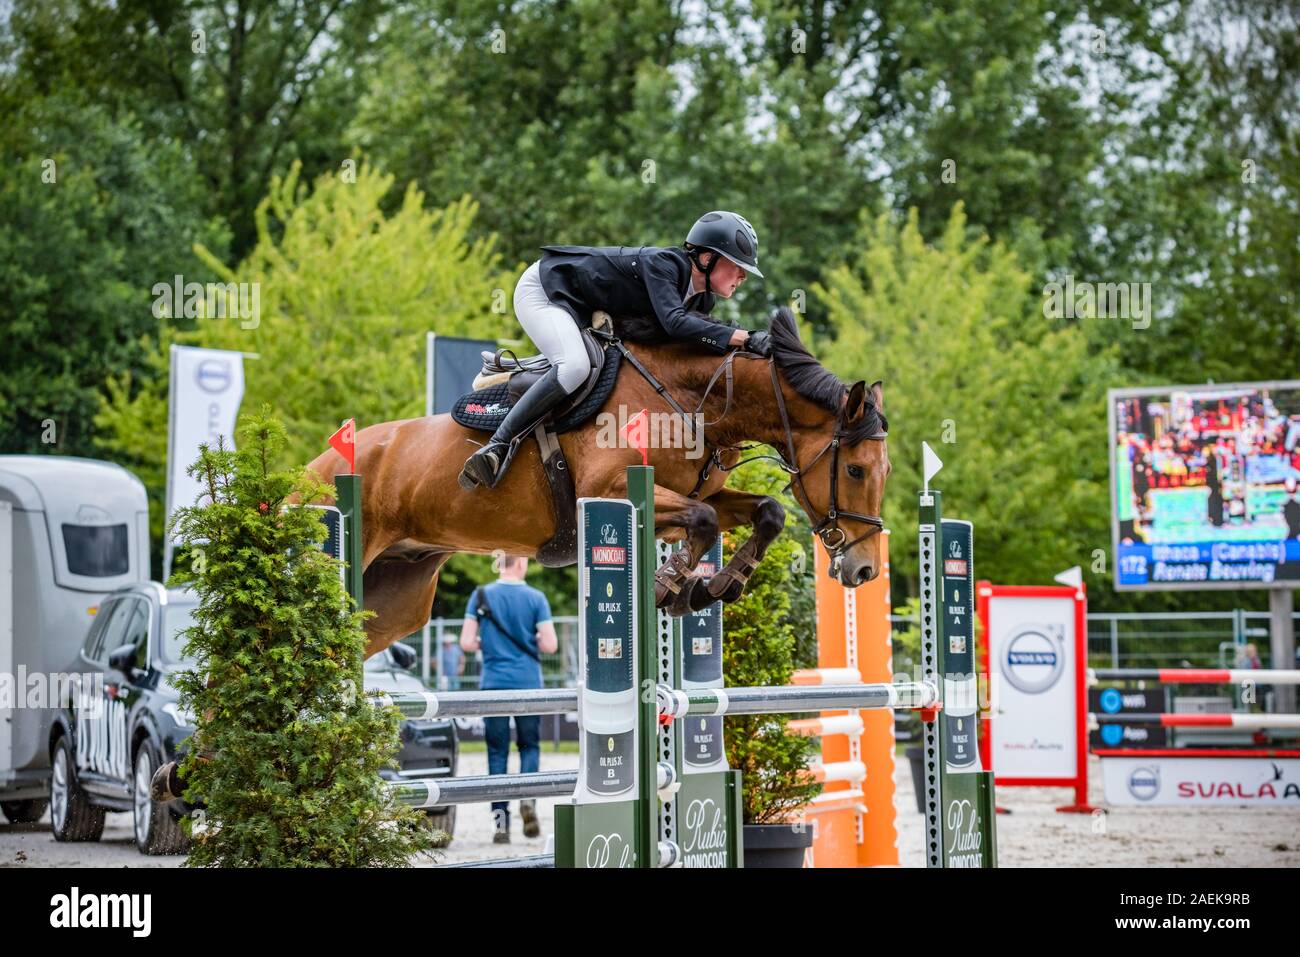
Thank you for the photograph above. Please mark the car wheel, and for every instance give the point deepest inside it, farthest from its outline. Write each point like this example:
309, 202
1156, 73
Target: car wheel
156, 831
24, 812
72, 816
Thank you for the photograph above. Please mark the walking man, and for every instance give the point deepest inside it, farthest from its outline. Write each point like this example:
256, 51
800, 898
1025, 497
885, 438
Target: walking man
509, 621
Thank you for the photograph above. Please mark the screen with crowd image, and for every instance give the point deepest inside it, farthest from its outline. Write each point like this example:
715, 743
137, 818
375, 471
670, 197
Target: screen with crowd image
1203, 485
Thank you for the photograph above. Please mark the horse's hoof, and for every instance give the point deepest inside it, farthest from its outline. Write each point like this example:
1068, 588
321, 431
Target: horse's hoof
166, 783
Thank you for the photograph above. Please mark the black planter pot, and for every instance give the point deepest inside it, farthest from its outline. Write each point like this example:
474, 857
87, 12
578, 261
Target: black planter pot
916, 758
776, 845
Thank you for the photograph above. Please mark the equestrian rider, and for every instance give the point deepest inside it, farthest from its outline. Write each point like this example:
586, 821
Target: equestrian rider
558, 294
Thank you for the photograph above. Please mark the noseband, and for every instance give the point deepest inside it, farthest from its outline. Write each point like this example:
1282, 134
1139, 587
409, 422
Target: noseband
827, 527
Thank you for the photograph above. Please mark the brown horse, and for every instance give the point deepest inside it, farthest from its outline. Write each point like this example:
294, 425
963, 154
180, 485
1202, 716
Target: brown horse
829, 435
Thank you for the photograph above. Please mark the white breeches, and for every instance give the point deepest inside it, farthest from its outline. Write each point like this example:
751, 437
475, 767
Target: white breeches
552, 329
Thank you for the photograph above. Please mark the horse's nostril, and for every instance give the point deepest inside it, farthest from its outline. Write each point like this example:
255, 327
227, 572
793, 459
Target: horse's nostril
865, 574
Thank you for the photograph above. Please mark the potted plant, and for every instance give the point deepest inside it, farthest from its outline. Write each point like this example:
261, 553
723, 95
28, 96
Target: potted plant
759, 650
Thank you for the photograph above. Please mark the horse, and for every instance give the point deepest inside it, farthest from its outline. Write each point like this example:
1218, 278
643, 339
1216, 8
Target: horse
829, 436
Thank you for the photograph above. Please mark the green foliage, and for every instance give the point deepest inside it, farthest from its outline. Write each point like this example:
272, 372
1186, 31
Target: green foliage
1206, 204
572, 125
758, 650
287, 753
248, 90
94, 214
1014, 407
346, 295
1112, 141
764, 477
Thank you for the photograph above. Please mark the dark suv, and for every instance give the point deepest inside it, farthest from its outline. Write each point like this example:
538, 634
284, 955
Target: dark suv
125, 720
106, 743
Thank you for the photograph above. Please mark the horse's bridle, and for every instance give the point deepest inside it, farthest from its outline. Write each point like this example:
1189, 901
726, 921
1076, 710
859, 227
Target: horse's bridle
827, 528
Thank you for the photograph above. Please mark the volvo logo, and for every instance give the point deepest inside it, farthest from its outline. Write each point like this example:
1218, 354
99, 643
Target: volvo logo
213, 375
1144, 783
1034, 660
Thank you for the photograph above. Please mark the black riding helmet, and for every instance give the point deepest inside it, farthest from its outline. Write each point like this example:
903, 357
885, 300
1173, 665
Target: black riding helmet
727, 234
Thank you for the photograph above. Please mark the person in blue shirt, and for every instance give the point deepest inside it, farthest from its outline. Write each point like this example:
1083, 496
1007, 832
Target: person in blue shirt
451, 660
509, 623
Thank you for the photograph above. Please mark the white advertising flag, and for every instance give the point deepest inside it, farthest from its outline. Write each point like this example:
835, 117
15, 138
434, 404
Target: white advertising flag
207, 386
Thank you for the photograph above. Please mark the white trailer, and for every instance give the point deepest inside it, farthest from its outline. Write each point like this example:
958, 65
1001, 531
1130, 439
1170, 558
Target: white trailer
71, 531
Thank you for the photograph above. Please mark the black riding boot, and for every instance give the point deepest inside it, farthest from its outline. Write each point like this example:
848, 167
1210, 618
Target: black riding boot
542, 396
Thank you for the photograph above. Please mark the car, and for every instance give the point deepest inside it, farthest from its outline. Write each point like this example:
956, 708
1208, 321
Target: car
430, 748
123, 719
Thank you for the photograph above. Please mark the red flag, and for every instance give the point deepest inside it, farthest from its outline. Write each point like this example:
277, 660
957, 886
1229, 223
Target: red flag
637, 431
344, 443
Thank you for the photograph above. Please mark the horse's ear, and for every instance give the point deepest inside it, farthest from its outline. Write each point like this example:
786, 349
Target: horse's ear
855, 403
878, 394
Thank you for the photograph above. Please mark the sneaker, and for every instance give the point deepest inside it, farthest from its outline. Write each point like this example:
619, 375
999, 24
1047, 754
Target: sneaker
528, 812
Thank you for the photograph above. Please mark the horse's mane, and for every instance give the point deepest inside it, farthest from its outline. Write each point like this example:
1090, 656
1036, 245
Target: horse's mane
807, 376
812, 380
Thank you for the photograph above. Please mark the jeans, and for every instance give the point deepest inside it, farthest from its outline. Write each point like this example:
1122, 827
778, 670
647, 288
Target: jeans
528, 732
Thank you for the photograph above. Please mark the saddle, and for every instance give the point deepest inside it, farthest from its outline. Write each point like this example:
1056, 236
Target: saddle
503, 379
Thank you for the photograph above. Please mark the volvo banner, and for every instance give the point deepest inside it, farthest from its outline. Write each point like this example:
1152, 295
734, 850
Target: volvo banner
205, 390
1035, 640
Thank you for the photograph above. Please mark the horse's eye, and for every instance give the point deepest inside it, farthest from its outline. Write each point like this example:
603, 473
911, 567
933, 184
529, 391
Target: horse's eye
855, 471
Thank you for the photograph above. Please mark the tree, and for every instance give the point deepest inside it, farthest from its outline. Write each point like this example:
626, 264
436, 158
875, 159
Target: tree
759, 650
1014, 407
248, 88
94, 215
570, 125
286, 753
1205, 204
345, 296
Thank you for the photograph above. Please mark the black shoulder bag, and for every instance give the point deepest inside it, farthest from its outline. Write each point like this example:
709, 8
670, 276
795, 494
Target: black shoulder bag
482, 610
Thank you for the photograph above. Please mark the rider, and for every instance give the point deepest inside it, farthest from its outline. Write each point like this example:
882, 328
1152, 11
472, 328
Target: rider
676, 285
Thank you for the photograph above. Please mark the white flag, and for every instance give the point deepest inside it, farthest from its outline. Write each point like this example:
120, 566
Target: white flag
207, 386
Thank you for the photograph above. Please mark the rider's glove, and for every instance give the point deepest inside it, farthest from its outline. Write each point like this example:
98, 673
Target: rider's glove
759, 343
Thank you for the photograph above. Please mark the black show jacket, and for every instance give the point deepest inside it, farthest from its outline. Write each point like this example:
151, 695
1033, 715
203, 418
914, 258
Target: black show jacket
632, 281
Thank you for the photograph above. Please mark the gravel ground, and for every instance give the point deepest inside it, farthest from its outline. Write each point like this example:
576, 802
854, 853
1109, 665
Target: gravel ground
1032, 835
